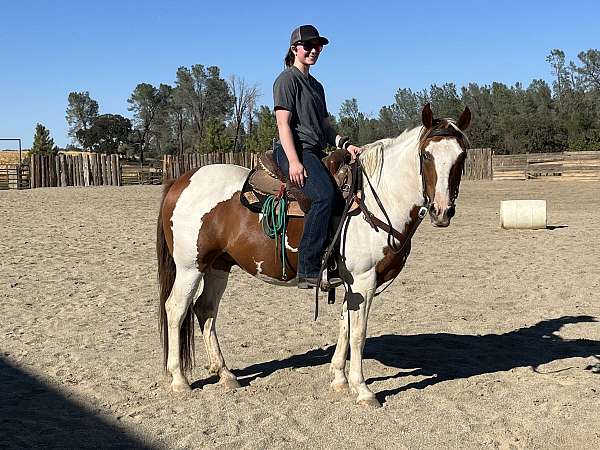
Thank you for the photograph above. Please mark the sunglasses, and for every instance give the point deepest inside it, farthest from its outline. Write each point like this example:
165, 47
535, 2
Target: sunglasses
308, 46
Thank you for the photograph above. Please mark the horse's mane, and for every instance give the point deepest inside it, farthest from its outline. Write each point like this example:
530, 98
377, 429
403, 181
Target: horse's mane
373, 154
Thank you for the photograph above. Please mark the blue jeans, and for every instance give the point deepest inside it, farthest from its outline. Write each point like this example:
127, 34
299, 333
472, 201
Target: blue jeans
318, 187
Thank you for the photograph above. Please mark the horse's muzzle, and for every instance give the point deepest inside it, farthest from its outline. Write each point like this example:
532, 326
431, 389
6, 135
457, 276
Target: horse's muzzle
442, 218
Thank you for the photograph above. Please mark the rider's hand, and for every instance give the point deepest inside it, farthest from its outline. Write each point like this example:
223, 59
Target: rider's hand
297, 173
354, 150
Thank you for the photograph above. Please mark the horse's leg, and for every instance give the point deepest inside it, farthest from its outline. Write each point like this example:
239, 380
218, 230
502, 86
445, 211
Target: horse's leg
206, 309
177, 307
359, 303
338, 362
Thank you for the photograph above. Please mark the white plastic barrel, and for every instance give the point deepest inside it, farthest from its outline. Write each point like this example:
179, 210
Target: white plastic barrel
523, 214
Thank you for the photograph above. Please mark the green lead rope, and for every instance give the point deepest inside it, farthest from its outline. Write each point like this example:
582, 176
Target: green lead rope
274, 223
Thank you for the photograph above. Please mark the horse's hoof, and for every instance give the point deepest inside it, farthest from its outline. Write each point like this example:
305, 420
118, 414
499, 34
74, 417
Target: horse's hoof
181, 388
371, 402
231, 384
340, 387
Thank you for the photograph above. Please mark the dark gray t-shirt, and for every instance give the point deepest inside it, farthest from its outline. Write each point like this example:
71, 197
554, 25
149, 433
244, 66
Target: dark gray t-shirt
304, 97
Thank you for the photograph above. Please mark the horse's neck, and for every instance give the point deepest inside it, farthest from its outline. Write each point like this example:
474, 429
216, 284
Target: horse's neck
399, 186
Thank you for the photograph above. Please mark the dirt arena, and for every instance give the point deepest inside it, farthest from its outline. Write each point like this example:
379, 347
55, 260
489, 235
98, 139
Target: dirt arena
488, 339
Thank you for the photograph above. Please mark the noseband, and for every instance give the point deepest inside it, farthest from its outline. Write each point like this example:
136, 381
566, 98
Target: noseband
436, 131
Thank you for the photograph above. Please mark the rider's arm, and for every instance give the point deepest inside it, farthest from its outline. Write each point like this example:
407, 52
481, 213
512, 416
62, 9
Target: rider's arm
337, 140
296, 172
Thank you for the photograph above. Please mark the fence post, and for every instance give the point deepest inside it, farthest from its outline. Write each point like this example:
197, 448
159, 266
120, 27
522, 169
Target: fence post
32, 171
119, 172
81, 167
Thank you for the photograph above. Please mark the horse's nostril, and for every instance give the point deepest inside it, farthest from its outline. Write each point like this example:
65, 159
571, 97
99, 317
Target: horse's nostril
451, 212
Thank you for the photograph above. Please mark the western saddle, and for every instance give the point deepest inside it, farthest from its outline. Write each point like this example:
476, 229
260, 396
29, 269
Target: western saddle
268, 179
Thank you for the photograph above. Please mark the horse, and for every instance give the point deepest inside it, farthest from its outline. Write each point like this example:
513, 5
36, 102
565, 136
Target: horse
203, 230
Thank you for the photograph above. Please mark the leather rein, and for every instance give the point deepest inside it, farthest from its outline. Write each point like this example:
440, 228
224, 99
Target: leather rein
392, 233
427, 201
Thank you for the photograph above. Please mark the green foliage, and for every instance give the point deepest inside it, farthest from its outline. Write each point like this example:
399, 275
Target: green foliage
203, 112
147, 104
81, 111
106, 134
263, 131
203, 96
215, 137
43, 144
589, 71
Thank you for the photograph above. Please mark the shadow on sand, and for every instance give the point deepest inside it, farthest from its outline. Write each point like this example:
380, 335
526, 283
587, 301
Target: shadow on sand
34, 415
445, 356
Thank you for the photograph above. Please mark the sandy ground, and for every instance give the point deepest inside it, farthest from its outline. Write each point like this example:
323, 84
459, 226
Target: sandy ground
486, 340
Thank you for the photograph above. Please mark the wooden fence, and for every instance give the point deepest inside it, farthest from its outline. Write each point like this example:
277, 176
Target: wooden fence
478, 165
560, 165
174, 166
14, 176
86, 169
93, 169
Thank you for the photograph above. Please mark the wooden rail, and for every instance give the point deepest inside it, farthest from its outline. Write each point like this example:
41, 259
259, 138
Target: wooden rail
560, 165
14, 176
174, 166
478, 165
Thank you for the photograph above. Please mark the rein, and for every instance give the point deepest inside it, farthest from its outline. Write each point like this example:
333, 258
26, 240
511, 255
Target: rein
387, 227
376, 223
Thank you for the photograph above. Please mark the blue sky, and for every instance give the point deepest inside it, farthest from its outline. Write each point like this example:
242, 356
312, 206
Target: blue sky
50, 48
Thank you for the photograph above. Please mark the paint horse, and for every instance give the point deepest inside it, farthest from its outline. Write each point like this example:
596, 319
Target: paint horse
203, 230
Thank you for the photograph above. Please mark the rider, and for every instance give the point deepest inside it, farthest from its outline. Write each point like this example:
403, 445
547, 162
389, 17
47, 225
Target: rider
304, 133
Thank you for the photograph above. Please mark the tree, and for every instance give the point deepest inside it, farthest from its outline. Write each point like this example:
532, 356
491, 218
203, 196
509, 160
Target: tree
215, 137
406, 109
43, 144
204, 94
444, 101
560, 70
349, 120
589, 72
106, 134
263, 132
387, 126
244, 97
162, 136
178, 114
145, 103
81, 111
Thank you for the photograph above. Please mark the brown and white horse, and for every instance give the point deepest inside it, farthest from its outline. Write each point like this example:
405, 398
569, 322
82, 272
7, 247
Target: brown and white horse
203, 230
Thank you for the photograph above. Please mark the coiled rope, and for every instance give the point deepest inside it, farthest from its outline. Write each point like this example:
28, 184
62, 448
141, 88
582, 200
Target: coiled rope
274, 223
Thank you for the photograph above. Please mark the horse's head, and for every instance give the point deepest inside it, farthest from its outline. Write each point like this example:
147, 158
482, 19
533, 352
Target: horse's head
443, 148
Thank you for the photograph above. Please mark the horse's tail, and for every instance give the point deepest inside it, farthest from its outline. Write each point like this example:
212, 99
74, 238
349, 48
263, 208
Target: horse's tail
166, 275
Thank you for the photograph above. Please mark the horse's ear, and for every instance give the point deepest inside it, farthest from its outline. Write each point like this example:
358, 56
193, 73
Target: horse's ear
465, 119
427, 116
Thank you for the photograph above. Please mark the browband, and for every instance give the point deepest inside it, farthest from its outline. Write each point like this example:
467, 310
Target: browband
445, 132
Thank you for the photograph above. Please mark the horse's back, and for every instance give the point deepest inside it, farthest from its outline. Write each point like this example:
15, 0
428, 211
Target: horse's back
190, 197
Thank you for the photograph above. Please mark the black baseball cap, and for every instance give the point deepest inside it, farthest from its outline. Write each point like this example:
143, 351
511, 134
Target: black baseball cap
307, 33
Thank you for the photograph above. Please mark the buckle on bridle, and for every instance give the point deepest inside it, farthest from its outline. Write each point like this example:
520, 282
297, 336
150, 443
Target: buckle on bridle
423, 211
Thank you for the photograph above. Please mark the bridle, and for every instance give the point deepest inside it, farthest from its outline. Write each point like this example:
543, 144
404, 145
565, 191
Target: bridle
393, 235
450, 131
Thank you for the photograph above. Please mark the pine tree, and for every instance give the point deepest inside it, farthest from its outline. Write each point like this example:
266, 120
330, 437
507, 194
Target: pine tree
43, 144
